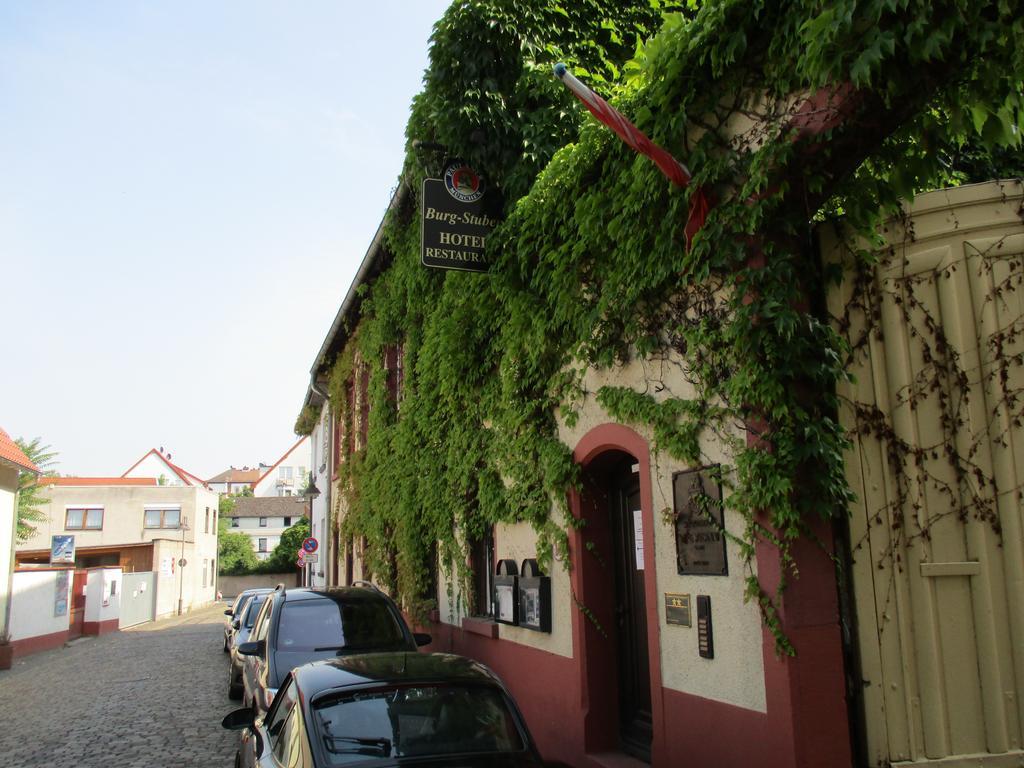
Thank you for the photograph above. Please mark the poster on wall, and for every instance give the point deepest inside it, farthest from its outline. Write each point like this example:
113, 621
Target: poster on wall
167, 566
62, 549
60, 594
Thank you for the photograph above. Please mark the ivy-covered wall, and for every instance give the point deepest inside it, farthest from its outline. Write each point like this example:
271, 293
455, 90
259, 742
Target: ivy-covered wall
788, 113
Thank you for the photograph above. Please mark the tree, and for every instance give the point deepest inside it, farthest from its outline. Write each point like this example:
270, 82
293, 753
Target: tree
234, 550
286, 552
30, 493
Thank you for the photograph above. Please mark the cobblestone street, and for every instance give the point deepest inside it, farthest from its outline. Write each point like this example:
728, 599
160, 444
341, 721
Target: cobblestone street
150, 695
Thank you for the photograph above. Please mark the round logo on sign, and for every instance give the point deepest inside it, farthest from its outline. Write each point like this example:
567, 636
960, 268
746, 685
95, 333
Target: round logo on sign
463, 183
310, 545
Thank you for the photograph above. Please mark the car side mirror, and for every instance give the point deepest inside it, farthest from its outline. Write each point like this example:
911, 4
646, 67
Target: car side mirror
236, 623
252, 648
422, 638
239, 720
229, 612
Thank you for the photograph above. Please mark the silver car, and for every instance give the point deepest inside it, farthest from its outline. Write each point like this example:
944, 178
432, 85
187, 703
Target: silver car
245, 620
235, 611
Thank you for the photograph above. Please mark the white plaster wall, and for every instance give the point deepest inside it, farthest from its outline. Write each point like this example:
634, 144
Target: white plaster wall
98, 589
8, 485
34, 598
736, 674
517, 542
299, 457
321, 467
123, 515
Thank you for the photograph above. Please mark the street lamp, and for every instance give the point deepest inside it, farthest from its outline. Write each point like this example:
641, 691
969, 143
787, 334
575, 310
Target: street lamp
181, 562
310, 492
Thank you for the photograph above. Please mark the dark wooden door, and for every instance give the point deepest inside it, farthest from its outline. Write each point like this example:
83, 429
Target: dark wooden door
77, 604
631, 618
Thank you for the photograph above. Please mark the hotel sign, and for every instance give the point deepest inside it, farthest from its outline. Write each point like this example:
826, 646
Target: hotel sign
458, 214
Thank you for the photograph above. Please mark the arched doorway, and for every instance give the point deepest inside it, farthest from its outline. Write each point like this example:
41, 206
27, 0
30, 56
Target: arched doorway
616, 638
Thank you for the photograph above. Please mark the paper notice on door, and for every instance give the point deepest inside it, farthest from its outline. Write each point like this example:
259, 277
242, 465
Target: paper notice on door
638, 538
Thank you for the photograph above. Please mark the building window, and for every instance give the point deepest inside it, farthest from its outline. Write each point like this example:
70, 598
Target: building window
81, 519
163, 517
263, 522
287, 522
481, 559
206, 564
286, 473
262, 545
234, 522
207, 528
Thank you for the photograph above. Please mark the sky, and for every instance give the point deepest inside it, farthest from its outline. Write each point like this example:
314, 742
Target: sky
186, 191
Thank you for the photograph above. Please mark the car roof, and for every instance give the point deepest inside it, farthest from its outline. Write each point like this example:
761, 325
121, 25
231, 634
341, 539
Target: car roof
338, 594
395, 668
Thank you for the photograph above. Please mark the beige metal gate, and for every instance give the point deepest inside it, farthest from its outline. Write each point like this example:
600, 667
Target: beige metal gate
937, 410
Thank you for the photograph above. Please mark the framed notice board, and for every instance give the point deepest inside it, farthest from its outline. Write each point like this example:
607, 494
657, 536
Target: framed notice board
699, 527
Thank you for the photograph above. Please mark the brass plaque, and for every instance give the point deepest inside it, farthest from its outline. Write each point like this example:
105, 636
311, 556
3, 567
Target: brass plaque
677, 609
700, 537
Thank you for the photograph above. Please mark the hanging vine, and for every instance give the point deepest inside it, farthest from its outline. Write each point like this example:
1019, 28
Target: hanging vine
789, 113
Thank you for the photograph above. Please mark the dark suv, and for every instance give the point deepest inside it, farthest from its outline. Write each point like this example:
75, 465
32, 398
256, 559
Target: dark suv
296, 626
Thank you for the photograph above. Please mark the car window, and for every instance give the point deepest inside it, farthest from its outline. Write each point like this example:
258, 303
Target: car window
288, 748
284, 705
415, 721
236, 604
243, 601
262, 624
325, 624
253, 610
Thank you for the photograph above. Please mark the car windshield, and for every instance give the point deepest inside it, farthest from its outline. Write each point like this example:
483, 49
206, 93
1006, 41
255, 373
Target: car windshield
253, 611
415, 721
329, 625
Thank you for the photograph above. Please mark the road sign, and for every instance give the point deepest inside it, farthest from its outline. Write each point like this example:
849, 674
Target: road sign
310, 558
311, 545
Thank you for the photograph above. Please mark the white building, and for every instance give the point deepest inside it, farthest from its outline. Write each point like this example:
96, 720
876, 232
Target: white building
137, 525
13, 462
264, 519
287, 476
325, 571
234, 480
158, 464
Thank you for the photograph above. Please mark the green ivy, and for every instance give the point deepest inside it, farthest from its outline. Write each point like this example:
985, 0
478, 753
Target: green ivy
591, 268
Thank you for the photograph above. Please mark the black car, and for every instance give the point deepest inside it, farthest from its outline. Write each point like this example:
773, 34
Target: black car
244, 624
297, 626
237, 607
387, 709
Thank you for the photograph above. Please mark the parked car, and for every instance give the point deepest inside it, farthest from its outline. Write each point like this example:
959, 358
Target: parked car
296, 626
236, 608
246, 619
387, 709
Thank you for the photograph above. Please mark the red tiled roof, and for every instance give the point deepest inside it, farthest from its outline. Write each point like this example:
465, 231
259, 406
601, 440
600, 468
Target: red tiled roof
12, 454
97, 481
236, 476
